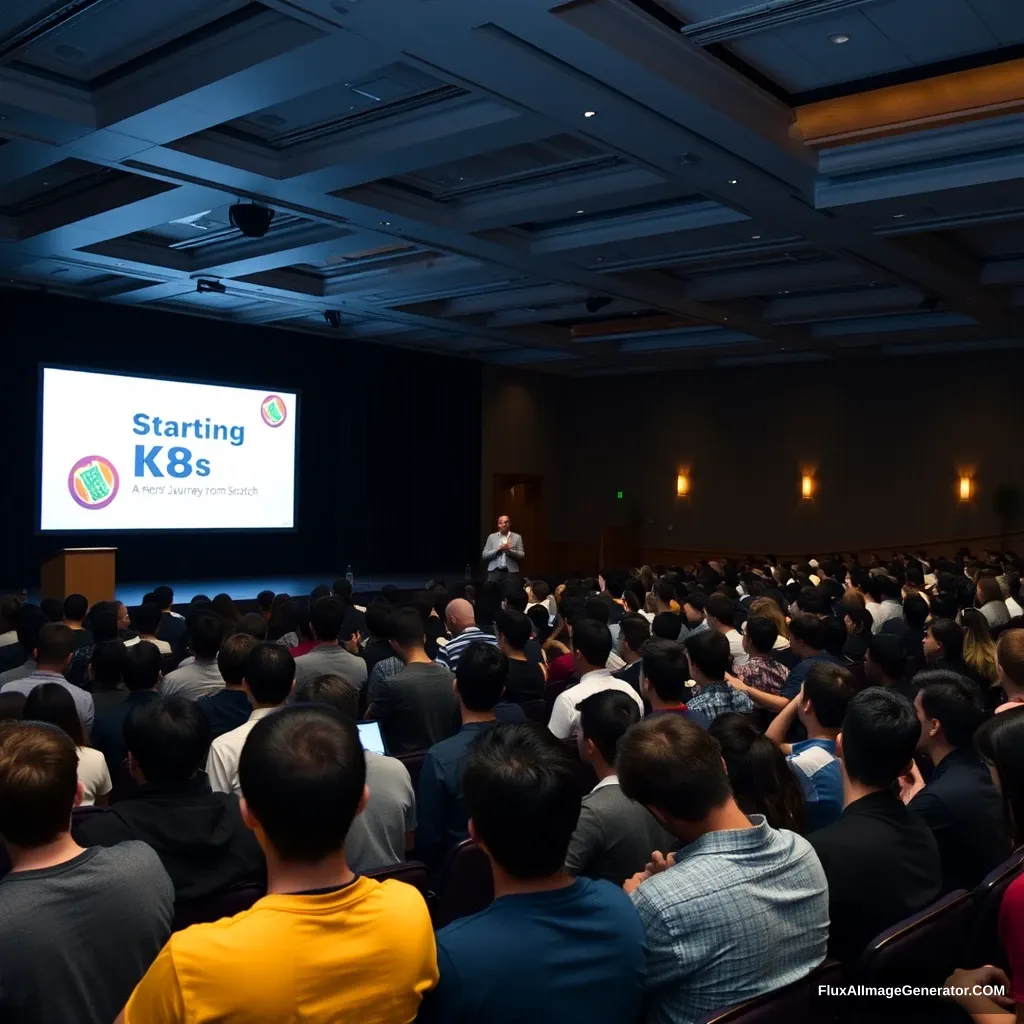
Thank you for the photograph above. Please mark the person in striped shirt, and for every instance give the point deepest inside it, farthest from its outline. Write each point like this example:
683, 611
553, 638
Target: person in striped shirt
462, 631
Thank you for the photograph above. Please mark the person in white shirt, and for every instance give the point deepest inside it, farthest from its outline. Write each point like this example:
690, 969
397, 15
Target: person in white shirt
269, 678
720, 611
1014, 601
591, 645
147, 621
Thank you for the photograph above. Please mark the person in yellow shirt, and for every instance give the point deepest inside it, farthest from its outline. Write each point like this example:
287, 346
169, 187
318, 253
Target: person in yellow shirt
324, 945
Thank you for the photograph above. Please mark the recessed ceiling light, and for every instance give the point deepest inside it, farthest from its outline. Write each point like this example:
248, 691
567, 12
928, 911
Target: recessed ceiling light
733, 181
589, 113
385, 223
839, 38
898, 216
579, 211
755, 237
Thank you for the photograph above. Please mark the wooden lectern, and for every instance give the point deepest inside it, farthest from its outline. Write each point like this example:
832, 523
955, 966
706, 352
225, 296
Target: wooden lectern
88, 571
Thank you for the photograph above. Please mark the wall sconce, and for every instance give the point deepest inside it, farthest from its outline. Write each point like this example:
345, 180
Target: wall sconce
965, 490
807, 487
682, 484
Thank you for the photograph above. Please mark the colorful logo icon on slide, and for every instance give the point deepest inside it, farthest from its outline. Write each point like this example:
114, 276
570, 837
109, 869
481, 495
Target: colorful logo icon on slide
93, 482
273, 410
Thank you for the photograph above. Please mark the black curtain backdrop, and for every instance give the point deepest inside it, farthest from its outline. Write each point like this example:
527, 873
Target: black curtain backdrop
389, 443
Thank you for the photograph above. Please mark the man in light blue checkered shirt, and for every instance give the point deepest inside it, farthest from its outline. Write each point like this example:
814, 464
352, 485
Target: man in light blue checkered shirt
742, 908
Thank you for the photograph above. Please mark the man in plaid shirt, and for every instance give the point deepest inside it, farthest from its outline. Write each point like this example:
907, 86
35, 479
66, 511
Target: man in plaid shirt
708, 654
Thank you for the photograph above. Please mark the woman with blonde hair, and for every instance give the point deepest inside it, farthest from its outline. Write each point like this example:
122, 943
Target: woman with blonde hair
979, 648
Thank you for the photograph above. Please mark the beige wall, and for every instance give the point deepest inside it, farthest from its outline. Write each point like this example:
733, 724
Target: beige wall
886, 436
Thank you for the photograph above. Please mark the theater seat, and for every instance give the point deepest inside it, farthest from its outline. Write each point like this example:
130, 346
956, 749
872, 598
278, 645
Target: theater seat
536, 710
466, 884
212, 908
412, 872
788, 1005
982, 940
414, 763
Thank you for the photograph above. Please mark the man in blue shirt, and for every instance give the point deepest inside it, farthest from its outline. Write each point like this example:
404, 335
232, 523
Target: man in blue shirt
807, 641
820, 705
550, 947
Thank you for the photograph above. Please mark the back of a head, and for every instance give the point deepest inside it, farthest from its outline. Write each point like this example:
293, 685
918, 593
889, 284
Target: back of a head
666, 669
164, 597
343, 590
38, 782
915, 611
103, 623
269, 673
667, 625
52, 608
948, 633
378, 619
890, 589
989, 590
332, 690
696, 600
226, 609
233, 657
673, 764
541, 590
709, 652
879, 735
147, 618
302, 774
516, 599
976, 626
206, 634
1010, 655
812, 602
721, 608
168, 739
604, 719
522, 798
480, 676
55, 644
252, 624
265, 601
889, 654
406, 628
76, 607
459, 614
12, 704
539, 620
515, 627
762, 633
597, 609
51, 702
666, 593
635, 631
108, 663
326, 616
829, 688
592, 641
319, 591
1000, 742
807, 629
140, 667
954, 701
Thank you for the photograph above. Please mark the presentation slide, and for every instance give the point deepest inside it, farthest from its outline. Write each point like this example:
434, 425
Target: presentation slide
138, 453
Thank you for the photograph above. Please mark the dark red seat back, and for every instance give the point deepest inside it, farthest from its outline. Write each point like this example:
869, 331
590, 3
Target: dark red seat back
788, 1005
412, 872
466, 884
982, 941
212, 908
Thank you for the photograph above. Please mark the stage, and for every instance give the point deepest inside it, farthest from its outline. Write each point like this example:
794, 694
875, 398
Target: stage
365, 586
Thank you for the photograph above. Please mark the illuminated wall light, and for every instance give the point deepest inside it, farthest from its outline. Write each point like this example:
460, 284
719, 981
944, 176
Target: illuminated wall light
683, 484
807, 486
966, 488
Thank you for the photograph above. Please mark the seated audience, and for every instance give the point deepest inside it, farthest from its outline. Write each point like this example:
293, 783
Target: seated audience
269, 678
910, 629
1010, 665
663, 681
265, 603
881, 860
53, 649
328, 656
29, 620
12, 654
597, 609
76, 607
807, 639
173, 627
460, 619
201, 677
708, 656
525, 679
763, 677
591, 645
283, 624
229, 707
550, 947
146, 622
761, 780
740, 909
888, 592
252, 624
721, 617
227, 611
50, 702
634, 632
614, 837
198, 835
378, 644
140, 669
479, 683
667, 626
694, 618
820, 707
381, 835
80, 926
416, 707
102, 623
885, 663
979, 649
324, 944
859, 625
944, 647
989, 600
959, 803
105, 675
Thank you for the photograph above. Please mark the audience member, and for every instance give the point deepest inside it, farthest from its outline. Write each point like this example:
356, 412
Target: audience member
761, 780
173, 628
525, 680
634, 632
763, 677
881, 860
265, 603
740, 909
198, 835
102, 624
663, 681
329, 657
80, 926
979, 648
52, 652
1010, 665
959, 803
460, 619
667, 626
614, 836
383, 833
991, 603
807, 641
229, 707
268, 681
885, 663
591, 645
146, 623
105, 675
283, 623
721, 617
416, 708
550, 947
708, 657
694, 618
378, 643
859, 625
911, 629
201, 677
252, 624
820, 706
12, 654
324, 944
29, 620
76, 607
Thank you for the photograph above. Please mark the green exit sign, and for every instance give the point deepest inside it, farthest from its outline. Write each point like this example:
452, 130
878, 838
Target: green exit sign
618, 494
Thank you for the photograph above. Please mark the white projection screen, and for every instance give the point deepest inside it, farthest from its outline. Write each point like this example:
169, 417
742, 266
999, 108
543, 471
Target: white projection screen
141, 453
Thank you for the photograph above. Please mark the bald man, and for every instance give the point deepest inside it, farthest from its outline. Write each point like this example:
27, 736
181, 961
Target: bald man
503, 552
460, 620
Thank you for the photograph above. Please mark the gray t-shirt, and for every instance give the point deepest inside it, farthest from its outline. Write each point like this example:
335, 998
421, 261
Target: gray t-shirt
192, 680
417, 708
377, 837
78, 937
330, 659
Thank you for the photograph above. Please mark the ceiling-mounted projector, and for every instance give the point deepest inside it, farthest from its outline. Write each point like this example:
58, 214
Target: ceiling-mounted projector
252, 220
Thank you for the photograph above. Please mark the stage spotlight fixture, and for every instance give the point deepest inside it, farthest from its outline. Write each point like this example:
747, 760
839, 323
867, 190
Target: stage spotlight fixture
252, 220
333, 318
595, 303
210, 286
